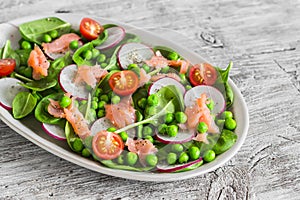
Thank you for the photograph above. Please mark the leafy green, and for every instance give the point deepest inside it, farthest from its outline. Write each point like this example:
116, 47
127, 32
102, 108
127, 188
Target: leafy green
77, 58
139, 94
40, 85
191, 167
34, 31
23, 104
111, 164
102, 38
223, 85
58, 64
41, 110
8, 52
165, 51
113, 64
103, 84
23, 55
70, 135
225, 142
85, 110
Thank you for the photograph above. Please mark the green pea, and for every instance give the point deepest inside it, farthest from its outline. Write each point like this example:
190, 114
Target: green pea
98, 92
151, 160
120, 159
93, 113
230, 123
147, 130
26, 45
172, 130
183, 78
101, 58
47, 38
85, 153
169, 117
146, 68
177, 148
149, 137
180, 117
162, 128
101, 113
28, 72
131, 66
115, 99
173, 56
87, 55
104, 97
150, 110
103, 65
227, 114
139, 116
131, 158
202, 127
65, 101
165, 70
142, 103
95, 99
101, 104
210, 105
188, 87
183, 158
171, 158
94, 105
53, 34
194, 152
74, 44
111, 129
152, 100
124, 136
95, 53
77, 145
220, 122
209, 156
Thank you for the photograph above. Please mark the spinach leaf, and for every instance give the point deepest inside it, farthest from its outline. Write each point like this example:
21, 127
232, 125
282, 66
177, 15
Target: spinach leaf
58, 64
41, 110
191, 167
165, 51
70, 135
23, 104
223, 85
77, 58
40, 85
113, 64
225, 142
100, 39
8, 52
111, 164
85, 109
23, 55
103, 84
139, 94
34, 31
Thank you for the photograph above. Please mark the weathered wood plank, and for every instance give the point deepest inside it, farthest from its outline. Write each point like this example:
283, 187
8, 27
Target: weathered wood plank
261, 37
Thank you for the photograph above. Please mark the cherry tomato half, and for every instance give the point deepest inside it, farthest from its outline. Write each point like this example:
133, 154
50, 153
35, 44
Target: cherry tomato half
90, 29
7, 66
203, 74
124, 82
107, 145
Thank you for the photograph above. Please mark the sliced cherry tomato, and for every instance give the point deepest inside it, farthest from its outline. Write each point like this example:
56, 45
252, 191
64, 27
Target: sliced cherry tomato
7, 66
90, 29
203, 74
107, 145
124, 82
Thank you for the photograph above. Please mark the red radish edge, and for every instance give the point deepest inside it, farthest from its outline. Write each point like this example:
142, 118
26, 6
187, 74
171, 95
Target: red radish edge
65, 80
51, 129
212, 92
122, 46
106, 45
177, 139
164, 82
9, 88
170, 168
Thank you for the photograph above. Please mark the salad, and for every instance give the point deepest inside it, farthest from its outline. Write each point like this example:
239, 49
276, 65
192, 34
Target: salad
115, 99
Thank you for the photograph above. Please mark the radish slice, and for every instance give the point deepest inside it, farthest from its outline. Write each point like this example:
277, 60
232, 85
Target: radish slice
211, 92
133, 53
104, 123
54, 131
9, 88
115, 35
66, 77
181, 137
173, 168
157, 85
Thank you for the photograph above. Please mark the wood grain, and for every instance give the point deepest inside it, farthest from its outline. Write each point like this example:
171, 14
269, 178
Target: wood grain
261, 38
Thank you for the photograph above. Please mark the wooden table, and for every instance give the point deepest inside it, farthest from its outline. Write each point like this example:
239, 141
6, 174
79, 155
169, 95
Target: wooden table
262, 38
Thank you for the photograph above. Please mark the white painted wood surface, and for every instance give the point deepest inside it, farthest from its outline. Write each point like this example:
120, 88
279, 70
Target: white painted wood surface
262, 38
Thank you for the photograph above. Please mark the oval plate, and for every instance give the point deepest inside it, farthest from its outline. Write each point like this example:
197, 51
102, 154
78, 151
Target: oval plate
31, 129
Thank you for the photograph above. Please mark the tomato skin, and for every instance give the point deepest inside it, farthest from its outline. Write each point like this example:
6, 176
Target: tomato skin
90, 29
203, 74
124, 82
7, 66
107, 145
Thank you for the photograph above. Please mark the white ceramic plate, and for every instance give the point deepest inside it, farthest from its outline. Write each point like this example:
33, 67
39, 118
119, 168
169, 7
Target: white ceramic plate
31, 129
